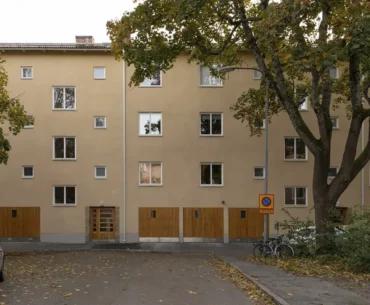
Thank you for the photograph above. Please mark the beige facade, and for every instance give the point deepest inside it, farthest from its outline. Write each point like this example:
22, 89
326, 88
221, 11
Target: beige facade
180, 99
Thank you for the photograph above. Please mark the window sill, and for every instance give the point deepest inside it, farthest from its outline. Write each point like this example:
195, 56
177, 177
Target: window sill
30, 127
259, 178
70, 205
101, 178
57, 159
27, 178
27, 78
295, 206
211, 185
150, 185
150, 135
100, 78
296, 160
154, 86
60, 109
211, 86
211, 135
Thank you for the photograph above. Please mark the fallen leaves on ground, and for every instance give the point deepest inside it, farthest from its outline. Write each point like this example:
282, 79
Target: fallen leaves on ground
238, 278
328, 268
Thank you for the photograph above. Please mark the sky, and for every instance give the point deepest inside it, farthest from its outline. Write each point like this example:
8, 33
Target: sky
58, 20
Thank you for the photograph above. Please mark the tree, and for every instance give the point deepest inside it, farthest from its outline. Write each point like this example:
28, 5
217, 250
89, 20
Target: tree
295, 43
13, 117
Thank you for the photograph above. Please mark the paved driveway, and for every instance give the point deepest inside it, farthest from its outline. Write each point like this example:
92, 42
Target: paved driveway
115, 278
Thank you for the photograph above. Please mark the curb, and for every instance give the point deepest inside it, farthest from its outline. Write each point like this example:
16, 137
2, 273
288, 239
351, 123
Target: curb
277, 299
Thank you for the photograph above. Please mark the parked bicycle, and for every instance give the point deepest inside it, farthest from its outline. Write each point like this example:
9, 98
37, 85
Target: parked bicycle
275, 246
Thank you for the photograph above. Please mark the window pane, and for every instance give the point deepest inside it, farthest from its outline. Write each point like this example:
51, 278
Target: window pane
58, 148
259, 172
144, 169
70, 195
100, 122
301, 149
289, 148
144, 123
155, 123
100, 172
70, 148
301, 195
58, 194
207, 79
289, 195
205, 174
152, 81
216, 174
205, 123
332, 172
28, 171
70, 98
99, 73
26, 72
303, 104
216, 124
58, 98
156, 173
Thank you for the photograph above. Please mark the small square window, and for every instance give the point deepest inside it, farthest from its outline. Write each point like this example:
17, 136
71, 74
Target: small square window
257, 75
99, 72
100, 172
260, 124
100, 122
334, 122
27, 171
26, 73
259, 172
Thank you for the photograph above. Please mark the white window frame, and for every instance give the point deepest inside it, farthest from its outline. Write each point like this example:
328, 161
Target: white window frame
211, 174
150, 173
219, 85
105, 122
26, 67
64, 148
64, 99
295, 150
151, 135
28, 177
100, 177
141, 85
263, 125
258, 177
256, 74
295, 205
211, 130
65, 197
105, 73
336, 121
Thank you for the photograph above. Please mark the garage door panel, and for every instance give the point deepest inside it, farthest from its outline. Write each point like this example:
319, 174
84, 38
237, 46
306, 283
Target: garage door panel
203, 222
20, 222
159, 222
245, 223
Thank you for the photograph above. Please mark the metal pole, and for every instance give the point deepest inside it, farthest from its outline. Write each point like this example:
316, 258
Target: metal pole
266, 216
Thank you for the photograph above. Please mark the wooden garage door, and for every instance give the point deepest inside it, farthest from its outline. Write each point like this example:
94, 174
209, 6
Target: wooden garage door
245, 223
158, 222
20, 222
204, 222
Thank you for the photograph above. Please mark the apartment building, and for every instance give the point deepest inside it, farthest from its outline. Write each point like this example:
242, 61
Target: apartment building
164, 161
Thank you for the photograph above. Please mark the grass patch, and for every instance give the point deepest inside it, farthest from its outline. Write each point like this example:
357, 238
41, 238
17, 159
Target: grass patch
322, 267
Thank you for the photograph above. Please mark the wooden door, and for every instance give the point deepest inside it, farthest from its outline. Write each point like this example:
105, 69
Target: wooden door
103, 223
204, 222
245, 223
20, 222
158, 222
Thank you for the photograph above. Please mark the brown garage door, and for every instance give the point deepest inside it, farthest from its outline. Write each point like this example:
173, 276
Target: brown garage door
204, 222
245, 223
158, 222
20, 222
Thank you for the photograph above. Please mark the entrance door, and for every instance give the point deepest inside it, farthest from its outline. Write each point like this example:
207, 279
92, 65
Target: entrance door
103, 223
245, 223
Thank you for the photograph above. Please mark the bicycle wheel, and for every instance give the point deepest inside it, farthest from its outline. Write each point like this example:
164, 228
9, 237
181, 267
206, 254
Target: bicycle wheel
284, 251
262, 250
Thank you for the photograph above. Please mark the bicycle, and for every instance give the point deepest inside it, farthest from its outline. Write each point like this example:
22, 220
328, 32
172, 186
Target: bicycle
277, 247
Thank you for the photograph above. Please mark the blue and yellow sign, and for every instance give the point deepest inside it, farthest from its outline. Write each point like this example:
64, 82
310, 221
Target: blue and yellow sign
266, 203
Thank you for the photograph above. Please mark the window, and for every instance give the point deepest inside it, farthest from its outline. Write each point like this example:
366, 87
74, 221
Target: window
211, 174
211, 124
99, 72
334, 73
257, 75
64, 148
332, 173
296, 196
150, 173
27, 171
303, 105
334, 122
31, 122
260, 124
154, 81
295, 149
64, 98
259, 172
207, 79
26, 73
100, 172
100, 122
64, 195
150, 124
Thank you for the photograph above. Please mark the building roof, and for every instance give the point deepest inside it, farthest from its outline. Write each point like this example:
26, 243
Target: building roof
55, 46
